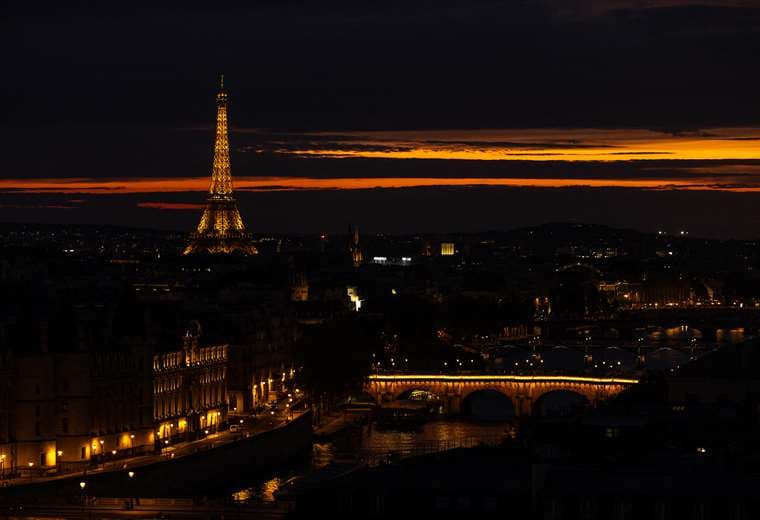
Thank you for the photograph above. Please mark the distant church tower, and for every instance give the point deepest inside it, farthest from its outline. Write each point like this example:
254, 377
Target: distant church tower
221, 228
357, 257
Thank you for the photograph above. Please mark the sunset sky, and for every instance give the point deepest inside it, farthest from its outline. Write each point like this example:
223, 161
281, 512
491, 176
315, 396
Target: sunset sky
400, 118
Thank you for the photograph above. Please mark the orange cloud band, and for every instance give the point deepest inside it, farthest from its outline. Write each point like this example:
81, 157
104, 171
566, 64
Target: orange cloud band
200, 184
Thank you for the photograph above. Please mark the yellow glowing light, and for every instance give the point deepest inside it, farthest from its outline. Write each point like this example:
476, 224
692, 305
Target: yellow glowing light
221, 228
502, 378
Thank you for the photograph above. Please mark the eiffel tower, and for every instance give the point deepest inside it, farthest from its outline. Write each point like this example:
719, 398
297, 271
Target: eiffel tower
221, 229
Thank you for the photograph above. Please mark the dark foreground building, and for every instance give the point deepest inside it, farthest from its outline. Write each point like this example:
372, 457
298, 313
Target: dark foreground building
503, 483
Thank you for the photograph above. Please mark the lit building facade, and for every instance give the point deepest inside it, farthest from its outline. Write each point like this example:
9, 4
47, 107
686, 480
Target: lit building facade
261, 368
354, 249
189, 389
649, 294
122, 404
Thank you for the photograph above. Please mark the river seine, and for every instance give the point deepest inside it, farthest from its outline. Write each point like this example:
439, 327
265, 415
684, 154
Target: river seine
365, 443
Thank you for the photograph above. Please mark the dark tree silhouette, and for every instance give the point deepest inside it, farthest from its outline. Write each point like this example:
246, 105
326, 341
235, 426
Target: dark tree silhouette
334, 358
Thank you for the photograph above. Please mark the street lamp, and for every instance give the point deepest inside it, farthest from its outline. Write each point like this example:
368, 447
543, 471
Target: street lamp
131, 475
82, 485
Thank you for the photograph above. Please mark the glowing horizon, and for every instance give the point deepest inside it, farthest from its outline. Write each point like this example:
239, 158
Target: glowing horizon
649, 150
200, 184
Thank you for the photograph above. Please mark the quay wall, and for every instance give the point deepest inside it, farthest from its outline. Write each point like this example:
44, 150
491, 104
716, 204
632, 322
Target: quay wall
199, 474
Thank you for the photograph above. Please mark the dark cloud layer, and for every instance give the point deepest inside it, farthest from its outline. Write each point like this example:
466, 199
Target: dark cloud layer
398, 64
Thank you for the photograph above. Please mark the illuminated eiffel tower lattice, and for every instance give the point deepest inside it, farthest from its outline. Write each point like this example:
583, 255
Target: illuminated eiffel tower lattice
221, 229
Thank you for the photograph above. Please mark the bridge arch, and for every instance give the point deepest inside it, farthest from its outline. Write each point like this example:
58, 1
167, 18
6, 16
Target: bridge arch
408, 393
488, 404
559, 403
523, 391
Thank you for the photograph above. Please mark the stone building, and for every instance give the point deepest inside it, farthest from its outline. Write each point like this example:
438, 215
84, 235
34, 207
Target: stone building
65, 403
261, 364
190, 389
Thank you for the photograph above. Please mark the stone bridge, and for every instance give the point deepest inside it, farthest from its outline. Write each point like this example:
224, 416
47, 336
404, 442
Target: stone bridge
523, 391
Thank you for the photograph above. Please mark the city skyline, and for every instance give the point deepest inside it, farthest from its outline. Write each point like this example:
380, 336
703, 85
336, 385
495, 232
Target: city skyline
410, 258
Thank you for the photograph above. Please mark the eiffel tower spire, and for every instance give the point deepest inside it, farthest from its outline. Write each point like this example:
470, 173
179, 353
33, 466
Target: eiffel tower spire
221, 175
221, 229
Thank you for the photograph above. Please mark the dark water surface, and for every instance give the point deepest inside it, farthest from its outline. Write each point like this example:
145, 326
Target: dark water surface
368, 444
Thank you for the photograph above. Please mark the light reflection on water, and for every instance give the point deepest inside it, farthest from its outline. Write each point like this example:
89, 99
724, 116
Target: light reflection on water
683, 335
262, 492
364, 443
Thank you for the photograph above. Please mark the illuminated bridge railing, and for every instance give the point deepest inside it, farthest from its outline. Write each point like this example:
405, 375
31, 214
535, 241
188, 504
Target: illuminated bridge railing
505, 378
523, 390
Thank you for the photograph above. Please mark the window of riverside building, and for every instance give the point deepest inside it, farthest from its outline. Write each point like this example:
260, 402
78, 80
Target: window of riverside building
42, 459
83, 453
37, 410
37, 429
65, 425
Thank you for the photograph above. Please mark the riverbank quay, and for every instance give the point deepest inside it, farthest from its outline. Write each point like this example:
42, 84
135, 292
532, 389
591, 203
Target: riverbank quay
338, 421
192, 470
